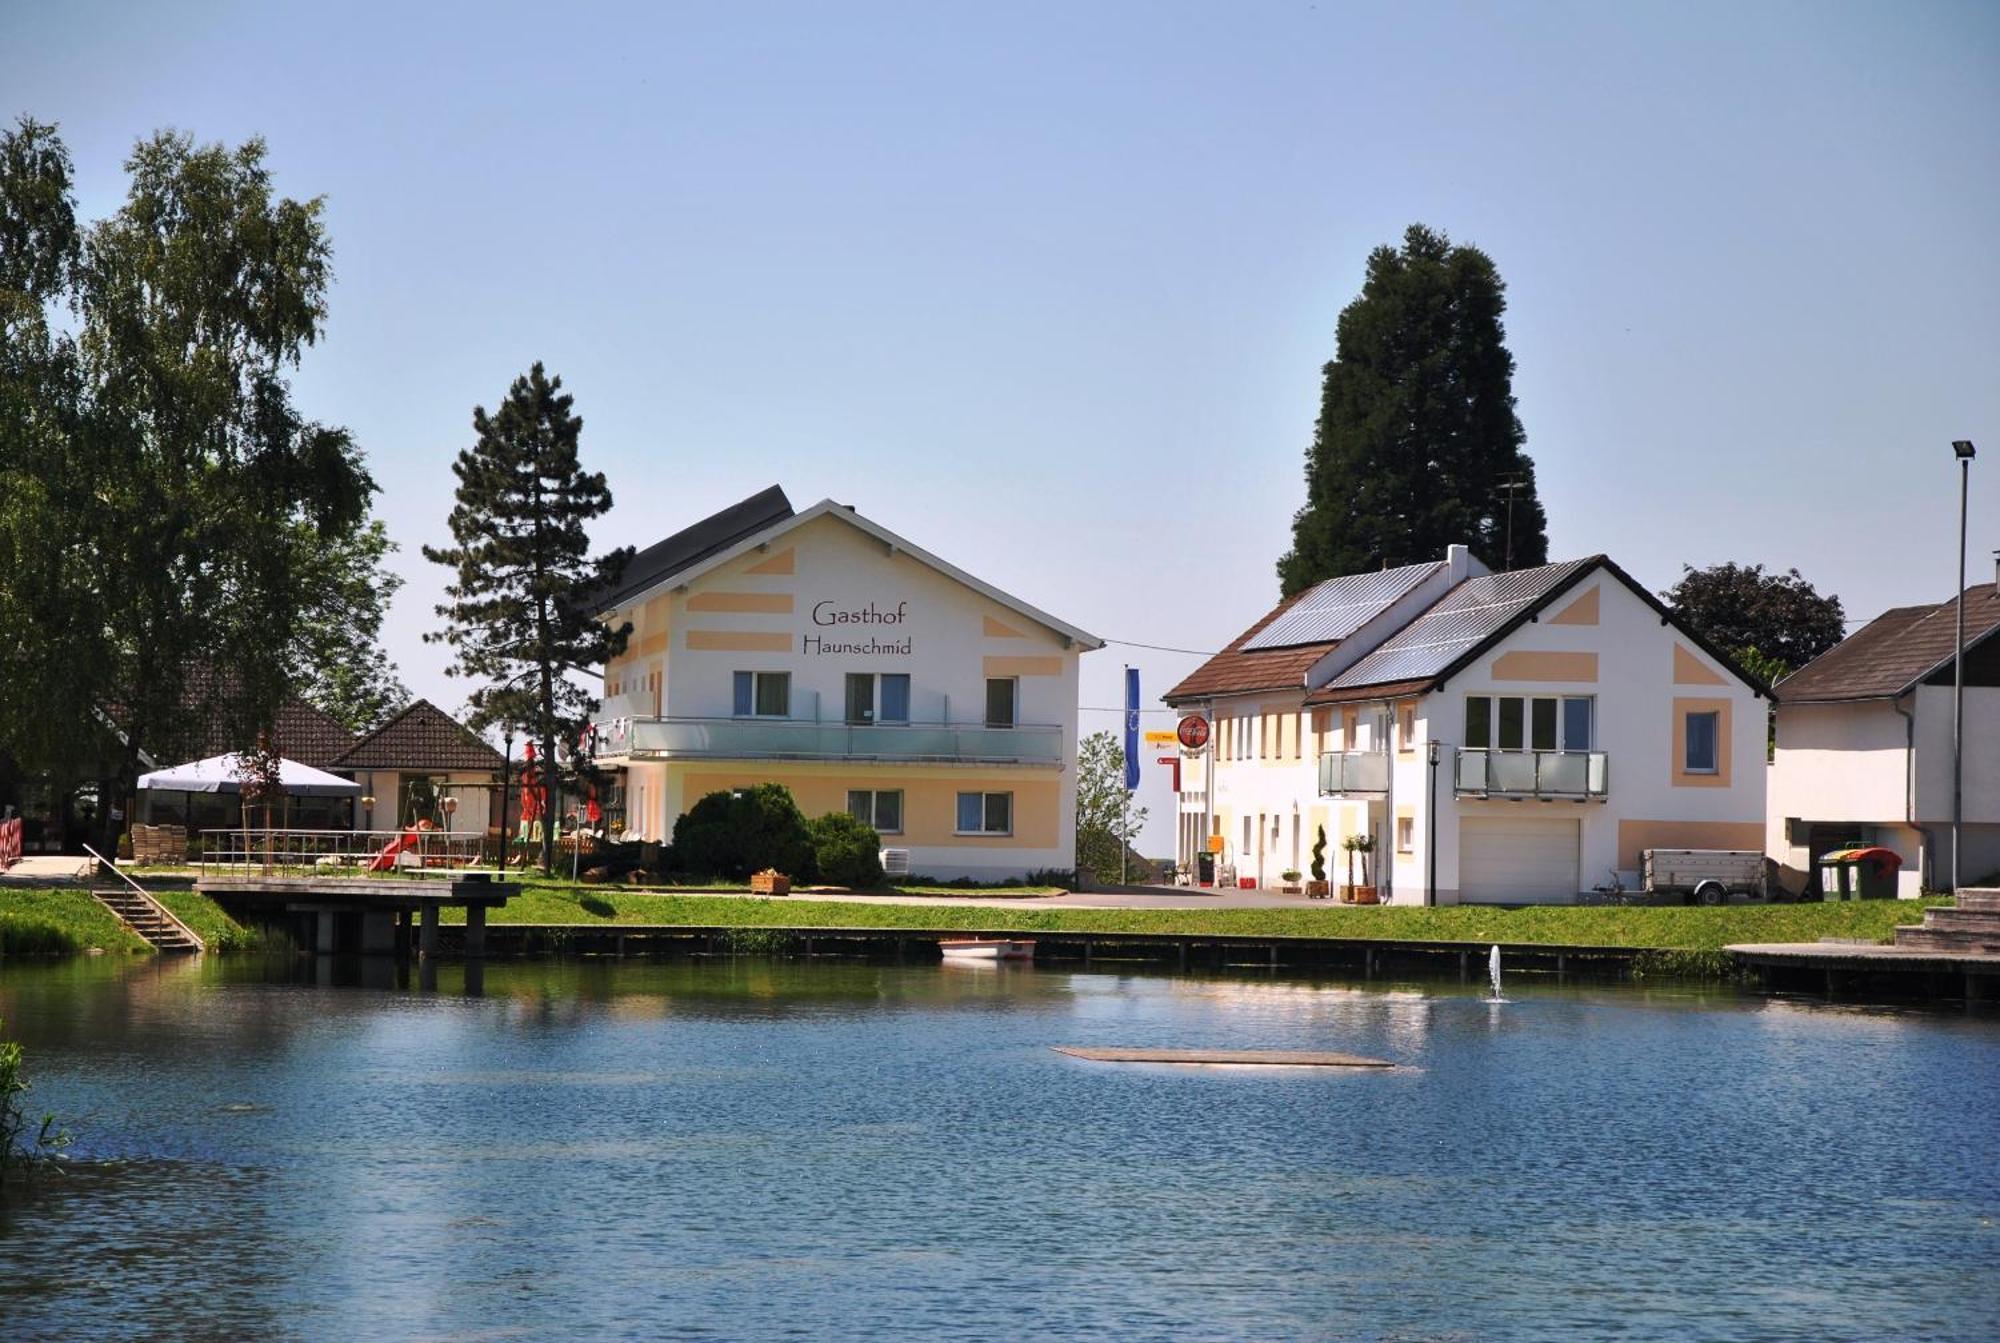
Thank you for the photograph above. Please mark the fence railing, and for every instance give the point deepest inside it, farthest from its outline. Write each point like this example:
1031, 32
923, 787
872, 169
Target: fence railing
420, 853
795, 739
1579, 775
1353, 772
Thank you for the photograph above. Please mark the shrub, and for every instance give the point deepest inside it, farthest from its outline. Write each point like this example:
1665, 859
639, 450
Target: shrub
846, 851
734, 833
1062, 878
28, 935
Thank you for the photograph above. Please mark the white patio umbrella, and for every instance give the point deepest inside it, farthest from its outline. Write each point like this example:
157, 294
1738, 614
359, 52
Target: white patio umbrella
222, 774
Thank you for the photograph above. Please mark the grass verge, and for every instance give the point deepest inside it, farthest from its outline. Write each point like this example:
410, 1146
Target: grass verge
54, 921
1680, 929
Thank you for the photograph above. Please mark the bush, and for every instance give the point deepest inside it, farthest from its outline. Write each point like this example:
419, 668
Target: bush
734, 833
847, 851
28, 935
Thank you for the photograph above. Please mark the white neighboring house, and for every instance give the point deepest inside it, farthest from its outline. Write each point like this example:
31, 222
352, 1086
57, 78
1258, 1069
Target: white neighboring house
1512, 738
824, 652
1865, 746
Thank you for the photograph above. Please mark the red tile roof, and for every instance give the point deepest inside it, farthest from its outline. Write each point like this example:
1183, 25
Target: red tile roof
1895, 651
421, 737
299, 732
1234, 671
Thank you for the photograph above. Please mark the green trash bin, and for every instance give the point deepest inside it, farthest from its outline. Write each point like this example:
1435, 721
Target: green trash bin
1859, 874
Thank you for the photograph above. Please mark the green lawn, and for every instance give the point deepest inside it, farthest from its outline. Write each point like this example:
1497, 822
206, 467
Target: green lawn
1677, 928
62, 921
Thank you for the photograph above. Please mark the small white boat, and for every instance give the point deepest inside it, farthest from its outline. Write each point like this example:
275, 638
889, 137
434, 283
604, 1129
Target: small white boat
988, 948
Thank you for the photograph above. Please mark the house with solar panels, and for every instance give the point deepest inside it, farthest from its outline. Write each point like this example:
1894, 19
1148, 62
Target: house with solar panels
1502, 738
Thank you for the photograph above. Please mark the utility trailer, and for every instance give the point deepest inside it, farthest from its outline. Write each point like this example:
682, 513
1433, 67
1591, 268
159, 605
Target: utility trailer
1705, 876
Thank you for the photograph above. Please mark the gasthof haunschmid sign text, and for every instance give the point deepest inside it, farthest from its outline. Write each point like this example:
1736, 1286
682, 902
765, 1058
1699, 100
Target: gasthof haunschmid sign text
841, 629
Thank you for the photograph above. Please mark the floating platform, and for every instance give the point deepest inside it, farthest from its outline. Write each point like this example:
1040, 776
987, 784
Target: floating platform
1273, 1058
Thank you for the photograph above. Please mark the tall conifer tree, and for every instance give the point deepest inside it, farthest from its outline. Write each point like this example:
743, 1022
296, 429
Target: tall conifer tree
520, 616
1417, 442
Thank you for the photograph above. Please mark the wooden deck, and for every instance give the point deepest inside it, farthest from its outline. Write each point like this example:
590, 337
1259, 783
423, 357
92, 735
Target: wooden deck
1271, 1058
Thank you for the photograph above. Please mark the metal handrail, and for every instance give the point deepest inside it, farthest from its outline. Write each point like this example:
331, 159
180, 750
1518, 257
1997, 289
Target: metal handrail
436, 852
149, 898
1353, 772
1477, 770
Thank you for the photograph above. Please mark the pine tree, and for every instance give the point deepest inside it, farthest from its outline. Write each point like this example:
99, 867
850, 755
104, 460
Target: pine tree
519, 615
1417, 442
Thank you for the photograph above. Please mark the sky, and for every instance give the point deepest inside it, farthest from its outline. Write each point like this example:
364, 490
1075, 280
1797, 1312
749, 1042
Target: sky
1047, 288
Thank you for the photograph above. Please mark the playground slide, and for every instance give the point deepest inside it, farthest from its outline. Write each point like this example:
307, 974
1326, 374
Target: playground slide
386, 859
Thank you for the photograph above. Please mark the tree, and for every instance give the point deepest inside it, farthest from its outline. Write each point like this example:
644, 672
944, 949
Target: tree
1105, 825
520, 616
180, 503
1772, 623
1417, 445
341, 666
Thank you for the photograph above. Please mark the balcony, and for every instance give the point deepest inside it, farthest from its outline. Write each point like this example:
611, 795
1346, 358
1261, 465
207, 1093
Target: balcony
1570, 776
1353, 772
795, 739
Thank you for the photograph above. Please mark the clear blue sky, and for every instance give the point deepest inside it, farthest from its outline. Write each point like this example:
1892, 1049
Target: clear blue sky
1047, 287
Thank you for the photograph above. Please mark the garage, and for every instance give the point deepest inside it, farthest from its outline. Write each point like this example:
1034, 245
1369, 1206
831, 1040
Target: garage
1517, 860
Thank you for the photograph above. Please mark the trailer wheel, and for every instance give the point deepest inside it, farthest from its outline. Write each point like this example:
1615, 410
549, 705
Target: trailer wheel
1711, 893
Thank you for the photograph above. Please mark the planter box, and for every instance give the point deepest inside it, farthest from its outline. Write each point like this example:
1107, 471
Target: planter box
770, 883
1365, 895
1316, 890
1290, 889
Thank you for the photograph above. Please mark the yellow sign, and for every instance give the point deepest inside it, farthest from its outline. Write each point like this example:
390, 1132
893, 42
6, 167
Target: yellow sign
1215, 843
1162, 739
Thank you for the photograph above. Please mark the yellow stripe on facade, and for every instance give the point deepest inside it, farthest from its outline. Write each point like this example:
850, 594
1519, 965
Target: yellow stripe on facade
784, 562
739, 641
762, 603
1023, 666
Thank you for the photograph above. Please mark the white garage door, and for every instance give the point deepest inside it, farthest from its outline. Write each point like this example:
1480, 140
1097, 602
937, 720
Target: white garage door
1517, 860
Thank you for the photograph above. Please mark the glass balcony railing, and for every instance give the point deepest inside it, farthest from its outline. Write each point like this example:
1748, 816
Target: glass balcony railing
1574, 775
792, 739
1353, 772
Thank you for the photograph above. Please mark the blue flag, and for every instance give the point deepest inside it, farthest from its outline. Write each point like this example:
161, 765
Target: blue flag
1131, 728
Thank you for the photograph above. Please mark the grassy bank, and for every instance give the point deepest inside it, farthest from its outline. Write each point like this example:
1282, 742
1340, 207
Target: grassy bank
1689, 929
38, 921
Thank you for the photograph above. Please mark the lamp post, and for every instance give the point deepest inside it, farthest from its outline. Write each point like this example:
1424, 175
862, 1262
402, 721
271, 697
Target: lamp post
450, 806
368, 809
1435, 753
1961, 448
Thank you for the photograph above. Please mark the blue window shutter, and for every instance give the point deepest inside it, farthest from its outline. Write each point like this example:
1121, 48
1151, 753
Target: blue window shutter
745, 705
895, 698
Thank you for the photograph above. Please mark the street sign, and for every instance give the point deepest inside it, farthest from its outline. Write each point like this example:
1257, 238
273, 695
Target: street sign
1160, 738
1193, 732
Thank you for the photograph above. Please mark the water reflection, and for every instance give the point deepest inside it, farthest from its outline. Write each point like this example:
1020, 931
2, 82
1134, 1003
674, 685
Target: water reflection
749, 1148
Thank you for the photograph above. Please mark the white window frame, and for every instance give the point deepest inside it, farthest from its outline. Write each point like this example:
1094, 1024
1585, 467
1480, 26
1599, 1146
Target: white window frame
1528, 702
985, 813
1714, 765
874, 796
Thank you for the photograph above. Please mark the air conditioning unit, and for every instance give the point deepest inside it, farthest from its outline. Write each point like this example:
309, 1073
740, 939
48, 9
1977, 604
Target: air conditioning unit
895, 862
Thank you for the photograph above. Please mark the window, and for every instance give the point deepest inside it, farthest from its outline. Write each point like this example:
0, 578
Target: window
1407, 726
1001, 698
1535, 723
1479, 722
1406, 834
1579, 723
1703, 735
881, 808
895, 698
763, 694
985, 813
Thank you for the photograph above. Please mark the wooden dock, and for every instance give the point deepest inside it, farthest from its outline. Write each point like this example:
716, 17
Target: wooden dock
372, 916
1268, 1058
1954, 954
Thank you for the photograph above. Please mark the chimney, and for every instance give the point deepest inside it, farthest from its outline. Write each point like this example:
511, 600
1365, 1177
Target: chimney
1458, 562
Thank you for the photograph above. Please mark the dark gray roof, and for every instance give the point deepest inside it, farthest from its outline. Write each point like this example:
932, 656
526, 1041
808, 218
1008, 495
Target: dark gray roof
1892, 653
1459, 623
1339, 606
691, 545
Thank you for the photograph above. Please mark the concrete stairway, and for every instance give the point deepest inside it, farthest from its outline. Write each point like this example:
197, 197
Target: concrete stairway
144, 916
1972, 927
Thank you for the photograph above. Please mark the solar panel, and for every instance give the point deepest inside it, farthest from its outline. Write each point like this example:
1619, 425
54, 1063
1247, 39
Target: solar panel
1338, 607
1461, 620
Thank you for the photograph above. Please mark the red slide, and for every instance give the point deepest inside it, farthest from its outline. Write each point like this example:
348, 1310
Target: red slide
386, 859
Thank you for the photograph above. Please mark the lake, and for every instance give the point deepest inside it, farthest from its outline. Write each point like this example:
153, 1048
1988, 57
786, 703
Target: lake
758, 1148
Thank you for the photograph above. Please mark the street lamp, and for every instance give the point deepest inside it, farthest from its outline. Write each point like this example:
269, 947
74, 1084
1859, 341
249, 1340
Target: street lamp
1435, 752
368, 807
1962, 449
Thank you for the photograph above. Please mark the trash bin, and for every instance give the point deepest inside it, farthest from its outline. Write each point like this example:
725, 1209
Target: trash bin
1859, 874
1204, 869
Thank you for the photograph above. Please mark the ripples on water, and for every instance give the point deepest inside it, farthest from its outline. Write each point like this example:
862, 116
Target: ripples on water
757, 1149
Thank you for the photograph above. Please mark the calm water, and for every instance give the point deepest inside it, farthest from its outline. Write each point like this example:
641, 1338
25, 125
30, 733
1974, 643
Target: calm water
762, 1149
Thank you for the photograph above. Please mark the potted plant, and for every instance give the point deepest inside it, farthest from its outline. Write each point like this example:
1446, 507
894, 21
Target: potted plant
770, 882
1362, 844
1316, 888
1290, 876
